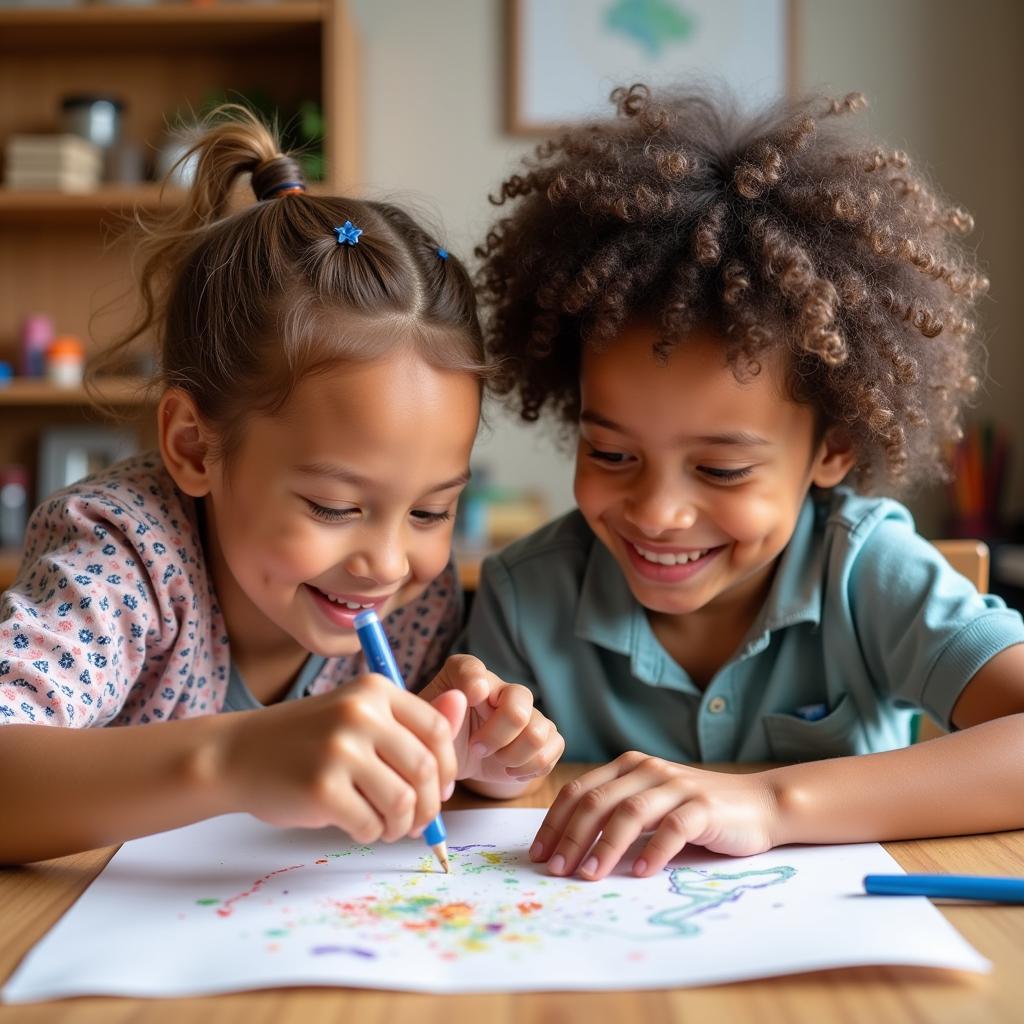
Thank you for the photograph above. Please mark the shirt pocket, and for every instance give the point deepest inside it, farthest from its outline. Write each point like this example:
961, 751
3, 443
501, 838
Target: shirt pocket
794, 739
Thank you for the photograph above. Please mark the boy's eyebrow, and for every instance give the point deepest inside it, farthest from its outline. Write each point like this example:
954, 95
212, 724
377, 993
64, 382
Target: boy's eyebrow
736, 437
346, 476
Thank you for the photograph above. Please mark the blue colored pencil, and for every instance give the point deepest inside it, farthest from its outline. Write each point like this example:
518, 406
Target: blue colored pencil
380, 659
951, 887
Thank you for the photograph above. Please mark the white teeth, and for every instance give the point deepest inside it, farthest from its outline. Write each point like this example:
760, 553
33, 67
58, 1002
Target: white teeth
353, 605
666, 558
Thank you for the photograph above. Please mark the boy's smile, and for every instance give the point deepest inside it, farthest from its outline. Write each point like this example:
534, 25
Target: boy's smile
692, 479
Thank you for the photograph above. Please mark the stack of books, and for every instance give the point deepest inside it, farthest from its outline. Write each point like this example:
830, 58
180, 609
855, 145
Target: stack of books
66, 163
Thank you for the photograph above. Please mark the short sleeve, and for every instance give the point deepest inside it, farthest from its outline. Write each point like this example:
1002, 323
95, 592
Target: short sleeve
923, 629
73, 627
492, 631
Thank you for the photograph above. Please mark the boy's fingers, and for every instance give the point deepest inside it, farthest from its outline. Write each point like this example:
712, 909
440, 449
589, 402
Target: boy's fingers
627, 822
519, 757
461, 672
542, 762
683, 825
569, 796
512, 713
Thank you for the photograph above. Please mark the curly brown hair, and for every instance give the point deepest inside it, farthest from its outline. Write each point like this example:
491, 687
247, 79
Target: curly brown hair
780, 229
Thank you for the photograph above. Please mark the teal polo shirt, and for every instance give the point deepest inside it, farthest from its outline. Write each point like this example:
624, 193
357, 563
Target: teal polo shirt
864, 623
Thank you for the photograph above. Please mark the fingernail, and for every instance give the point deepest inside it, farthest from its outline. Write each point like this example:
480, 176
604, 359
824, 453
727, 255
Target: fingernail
478, 750
448, 790
537, 850
639, 866
557, 865
590, 867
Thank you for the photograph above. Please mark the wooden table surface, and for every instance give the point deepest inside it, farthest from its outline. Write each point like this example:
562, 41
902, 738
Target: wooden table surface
33, 898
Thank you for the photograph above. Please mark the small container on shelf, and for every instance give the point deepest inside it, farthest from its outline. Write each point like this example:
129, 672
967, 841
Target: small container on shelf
36, 338
65, 362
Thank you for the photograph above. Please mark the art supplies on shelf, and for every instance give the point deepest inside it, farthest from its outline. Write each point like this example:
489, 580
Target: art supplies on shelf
979, 465
65, 163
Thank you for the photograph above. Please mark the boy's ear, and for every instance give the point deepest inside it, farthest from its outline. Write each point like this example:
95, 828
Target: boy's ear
185, 443
834, 459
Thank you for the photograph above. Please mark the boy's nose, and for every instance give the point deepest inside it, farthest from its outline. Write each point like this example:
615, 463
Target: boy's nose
658, 510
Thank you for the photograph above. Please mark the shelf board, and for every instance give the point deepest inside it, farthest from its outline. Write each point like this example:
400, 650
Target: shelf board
27, 206
183, 26
121, 391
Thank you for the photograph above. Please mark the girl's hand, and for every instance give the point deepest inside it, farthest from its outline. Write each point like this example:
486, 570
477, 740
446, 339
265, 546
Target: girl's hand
504, 738
733, 814
368, 757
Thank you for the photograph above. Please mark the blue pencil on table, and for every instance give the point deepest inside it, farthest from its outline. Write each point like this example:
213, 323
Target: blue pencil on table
380, 659
948, 887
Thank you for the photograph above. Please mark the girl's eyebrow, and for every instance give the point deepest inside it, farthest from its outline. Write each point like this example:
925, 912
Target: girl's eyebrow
741, 438
347, 476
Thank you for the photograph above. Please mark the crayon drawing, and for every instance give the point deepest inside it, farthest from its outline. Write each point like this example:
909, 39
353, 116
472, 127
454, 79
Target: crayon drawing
231, 904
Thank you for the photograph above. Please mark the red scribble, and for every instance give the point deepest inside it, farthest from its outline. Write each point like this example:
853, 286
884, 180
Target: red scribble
226, 910
322, 860
529, 906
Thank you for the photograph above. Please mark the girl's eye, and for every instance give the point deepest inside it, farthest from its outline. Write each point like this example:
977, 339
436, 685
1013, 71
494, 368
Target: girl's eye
331, 515
726, 475
423, 516
611, 458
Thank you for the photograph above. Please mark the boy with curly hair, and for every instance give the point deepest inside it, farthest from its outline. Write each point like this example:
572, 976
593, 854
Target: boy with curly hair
753, 323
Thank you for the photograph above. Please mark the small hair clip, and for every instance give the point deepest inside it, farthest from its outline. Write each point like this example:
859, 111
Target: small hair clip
442, 254
348, 233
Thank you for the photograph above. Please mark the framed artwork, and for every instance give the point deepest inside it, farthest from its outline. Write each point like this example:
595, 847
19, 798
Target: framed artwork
565, 56
67, 454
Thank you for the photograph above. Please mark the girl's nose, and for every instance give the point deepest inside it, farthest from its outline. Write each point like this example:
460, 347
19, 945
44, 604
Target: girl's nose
381, 565
658, 509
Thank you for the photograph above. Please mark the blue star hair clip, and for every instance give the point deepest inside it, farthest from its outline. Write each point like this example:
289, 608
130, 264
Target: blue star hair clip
348, 233
442, 254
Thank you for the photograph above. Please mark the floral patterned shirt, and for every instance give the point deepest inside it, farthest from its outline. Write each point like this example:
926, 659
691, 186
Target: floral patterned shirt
113, 619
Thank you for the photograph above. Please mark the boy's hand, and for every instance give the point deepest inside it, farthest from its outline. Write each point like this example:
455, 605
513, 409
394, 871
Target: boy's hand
368, 758
504, 738
732, 814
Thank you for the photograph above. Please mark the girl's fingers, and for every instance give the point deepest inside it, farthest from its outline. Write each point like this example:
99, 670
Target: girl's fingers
406, 780
684, 825
625, 825
542, 760
591, 814
353, 813
571, 794
512, 713
433, 731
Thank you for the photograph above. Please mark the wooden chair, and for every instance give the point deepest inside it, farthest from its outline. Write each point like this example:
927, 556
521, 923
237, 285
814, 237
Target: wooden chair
970, 558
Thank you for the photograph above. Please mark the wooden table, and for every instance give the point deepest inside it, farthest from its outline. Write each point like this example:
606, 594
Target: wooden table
32, 899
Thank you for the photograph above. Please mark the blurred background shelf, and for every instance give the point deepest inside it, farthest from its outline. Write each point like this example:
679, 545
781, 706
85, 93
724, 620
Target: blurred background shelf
119, 391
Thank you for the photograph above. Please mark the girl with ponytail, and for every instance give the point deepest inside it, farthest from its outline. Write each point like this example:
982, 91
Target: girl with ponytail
320, 372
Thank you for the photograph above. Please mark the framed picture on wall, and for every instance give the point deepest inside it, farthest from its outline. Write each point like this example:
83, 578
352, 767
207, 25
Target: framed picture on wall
67, 454
565, 56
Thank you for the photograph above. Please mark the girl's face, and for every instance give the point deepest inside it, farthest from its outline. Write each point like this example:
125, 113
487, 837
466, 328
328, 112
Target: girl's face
342, 501
693, 480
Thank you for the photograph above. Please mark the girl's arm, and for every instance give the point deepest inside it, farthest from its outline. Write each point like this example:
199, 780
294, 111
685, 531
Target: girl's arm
969, 782
368, 758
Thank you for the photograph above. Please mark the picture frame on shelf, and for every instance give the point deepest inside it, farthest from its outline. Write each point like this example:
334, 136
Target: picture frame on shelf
563, 59
67, 454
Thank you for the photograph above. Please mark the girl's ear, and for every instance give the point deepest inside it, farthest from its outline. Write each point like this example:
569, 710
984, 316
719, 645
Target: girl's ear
185, 443
834, 459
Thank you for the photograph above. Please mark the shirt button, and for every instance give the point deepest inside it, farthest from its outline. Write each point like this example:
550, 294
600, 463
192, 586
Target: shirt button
717, 705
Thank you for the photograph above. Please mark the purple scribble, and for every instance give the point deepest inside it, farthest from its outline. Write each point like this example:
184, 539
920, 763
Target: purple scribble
472, 846
366, 954
495, 927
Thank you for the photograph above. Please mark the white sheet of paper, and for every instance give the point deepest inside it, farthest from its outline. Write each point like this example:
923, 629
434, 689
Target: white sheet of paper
232, 904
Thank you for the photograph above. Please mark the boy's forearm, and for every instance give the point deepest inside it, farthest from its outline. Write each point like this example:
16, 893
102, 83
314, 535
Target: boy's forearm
67, 790
965, 783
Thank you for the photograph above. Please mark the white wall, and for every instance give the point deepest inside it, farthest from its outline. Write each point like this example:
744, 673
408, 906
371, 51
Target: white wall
944, 79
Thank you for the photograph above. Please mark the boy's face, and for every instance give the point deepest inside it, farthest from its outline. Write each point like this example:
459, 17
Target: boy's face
692, 479
345, 499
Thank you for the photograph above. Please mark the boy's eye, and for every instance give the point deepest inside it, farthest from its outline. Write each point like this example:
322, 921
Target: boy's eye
726, 475
331, 515
423, 516
612, 458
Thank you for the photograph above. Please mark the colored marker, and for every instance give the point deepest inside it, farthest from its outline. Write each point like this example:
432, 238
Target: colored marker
948, 887
380, 659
